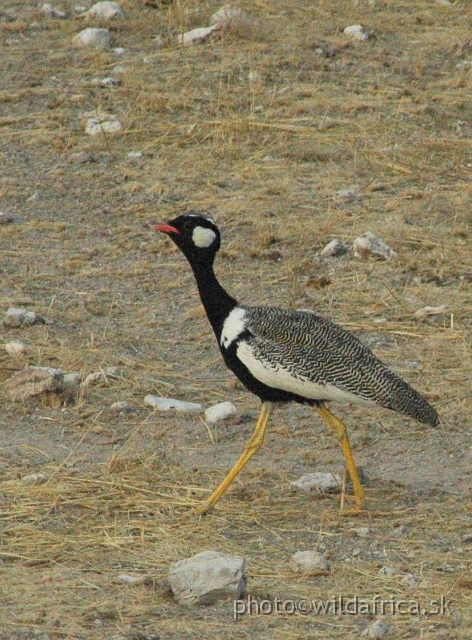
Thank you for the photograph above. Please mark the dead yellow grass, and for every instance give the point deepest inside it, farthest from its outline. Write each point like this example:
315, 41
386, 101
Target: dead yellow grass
261, 130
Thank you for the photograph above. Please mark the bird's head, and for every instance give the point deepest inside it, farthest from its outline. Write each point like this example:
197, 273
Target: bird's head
196, 235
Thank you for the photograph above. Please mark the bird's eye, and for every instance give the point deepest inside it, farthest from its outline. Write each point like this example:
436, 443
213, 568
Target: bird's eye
188, 225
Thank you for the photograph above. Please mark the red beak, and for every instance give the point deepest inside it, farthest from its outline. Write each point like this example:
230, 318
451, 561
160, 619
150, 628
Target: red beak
165, 228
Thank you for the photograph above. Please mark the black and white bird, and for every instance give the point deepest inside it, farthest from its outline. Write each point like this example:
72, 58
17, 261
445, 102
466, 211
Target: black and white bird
289, 356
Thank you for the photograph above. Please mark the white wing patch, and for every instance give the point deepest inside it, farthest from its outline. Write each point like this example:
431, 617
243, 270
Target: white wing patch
233, 326
279, 378
203, 237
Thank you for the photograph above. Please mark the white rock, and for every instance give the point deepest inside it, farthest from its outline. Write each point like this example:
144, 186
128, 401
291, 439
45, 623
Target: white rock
219, 412
368, 246
433, 313
309, 562
50, 11
5, 218
135, 155
197, 35
105, 10
409, 580
15, 348
119, 68
121, 407
356, 32
33, 381
319, 481
377, 629
124, 577
119, 51
229, 16
79, 9
349, 195
335, 248
71, 384
166, 404
101, 376
207, 576
34, 478
106, 82
103, 124
91, 37
15, 318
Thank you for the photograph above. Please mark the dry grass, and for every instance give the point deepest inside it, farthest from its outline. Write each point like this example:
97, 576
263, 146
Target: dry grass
261, 130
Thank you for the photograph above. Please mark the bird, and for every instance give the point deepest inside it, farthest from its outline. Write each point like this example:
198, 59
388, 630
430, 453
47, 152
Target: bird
284, 355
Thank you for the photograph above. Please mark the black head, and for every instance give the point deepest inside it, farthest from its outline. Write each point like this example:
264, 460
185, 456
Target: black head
196, 235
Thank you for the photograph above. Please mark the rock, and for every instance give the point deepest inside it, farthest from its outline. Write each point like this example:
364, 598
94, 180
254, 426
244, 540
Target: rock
309, 562
34, 478
409, 580
50, 11
121, 407
362, 532
91, 37
33, 381
15, 348
124, 577
166, 404
207, 576
219, 412
348, 195
106, 82
335, 248
319, 481
198, 35
101, 376
119, 51
103, 124
387, 571
228, 16
82, 157
356, 32
369, 246
15, 318
71, 384
431, 314
377, 629
5, 218
105, 10
79, 9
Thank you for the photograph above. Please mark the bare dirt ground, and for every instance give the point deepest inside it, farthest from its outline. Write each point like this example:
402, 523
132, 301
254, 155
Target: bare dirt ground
261, 128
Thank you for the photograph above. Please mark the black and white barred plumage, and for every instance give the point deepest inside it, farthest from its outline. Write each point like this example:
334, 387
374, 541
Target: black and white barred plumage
283, 355
309, 356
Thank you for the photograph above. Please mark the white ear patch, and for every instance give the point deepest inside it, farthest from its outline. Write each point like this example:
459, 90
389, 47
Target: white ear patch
203, 237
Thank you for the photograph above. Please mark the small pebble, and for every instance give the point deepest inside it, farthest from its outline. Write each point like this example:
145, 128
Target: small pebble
206, 577
387, 571
6, 218
90, 37
103, 124
319, 481
409, 580
34, 478
335, 248
15, 348
220, 412
50, 11
378, 629
356, 32
197, 35
309, 562
105, 10
124, 577
362, 532
121, 407
167, 404
369, 246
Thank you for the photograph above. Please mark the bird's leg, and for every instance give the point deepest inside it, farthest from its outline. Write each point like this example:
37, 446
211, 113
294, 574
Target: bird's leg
340, 431
253, 445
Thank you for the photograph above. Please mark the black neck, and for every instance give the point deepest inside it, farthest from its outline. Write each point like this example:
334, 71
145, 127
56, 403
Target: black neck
216, 301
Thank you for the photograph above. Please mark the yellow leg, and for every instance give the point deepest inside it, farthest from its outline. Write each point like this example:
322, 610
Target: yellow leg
253, 445
340, 431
